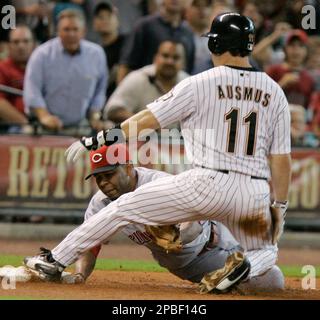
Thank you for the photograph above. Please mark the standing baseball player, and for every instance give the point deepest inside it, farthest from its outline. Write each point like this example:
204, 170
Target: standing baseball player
233, 118
189, 250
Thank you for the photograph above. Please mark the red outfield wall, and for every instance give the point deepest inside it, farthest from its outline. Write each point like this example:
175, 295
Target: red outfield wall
35, 175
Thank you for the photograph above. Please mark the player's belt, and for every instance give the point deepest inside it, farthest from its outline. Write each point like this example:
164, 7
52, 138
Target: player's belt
252, 177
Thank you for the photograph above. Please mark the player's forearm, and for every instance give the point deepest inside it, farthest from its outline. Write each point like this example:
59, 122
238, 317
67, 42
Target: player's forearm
85, 264
280, 175
130, 129
142, 121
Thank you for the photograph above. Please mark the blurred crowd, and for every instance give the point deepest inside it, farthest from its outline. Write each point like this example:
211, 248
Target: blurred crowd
76, 67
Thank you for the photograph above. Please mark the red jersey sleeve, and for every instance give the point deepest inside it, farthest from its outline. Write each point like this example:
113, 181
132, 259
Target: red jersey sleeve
95, 250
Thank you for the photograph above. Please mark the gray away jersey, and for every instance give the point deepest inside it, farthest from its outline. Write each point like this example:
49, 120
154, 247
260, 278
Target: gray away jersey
231, 119
138, 234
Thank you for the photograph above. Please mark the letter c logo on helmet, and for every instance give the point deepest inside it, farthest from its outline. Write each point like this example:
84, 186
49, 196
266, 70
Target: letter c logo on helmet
97, 157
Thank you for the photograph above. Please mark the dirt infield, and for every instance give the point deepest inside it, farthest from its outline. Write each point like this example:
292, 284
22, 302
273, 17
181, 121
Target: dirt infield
287, 256
120, 285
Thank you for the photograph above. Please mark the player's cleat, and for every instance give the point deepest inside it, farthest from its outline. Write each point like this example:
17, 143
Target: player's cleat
236, 268
48, 268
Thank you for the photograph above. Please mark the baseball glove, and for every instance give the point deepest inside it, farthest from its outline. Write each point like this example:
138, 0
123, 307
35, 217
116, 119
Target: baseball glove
167, 237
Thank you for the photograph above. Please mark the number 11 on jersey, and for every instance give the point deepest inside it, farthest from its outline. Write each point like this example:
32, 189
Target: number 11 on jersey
250, 120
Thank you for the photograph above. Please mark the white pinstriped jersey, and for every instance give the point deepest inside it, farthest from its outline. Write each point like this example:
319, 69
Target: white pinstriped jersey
231, 119
138, 234
135, 232
100, 200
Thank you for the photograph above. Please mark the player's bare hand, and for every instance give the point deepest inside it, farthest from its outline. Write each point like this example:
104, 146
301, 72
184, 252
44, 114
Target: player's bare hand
77, 278
51, 122
75, 151
277, 216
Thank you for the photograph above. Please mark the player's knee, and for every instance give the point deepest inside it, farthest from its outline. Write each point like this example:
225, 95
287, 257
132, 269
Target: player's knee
272, 280
275, 278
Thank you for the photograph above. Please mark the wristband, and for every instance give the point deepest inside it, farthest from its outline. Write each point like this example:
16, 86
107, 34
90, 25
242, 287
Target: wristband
109, 136
280, 204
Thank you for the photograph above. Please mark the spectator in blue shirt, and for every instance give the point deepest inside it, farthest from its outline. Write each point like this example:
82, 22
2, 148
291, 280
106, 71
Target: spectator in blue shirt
66, 78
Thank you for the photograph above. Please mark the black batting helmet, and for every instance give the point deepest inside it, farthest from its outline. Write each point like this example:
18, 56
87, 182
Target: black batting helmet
231, 32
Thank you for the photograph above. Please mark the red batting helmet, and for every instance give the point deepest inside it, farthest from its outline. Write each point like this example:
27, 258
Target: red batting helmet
108, 158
